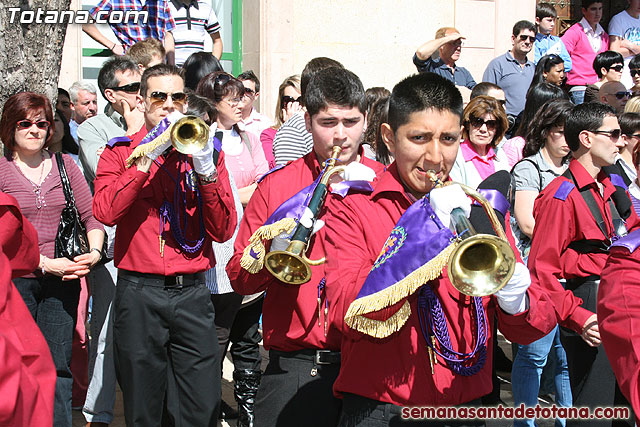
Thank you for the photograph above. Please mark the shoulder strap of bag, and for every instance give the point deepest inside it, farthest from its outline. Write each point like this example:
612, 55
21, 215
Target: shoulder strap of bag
535, 165
587, 195
66, 187
245, 141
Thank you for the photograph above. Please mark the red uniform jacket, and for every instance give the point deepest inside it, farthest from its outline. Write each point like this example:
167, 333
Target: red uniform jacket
396, 369
560, 222
290, 312
27, 374
619, 320
132, 200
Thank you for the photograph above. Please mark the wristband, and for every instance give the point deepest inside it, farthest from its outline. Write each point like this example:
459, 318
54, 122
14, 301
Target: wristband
99, 252
44, 258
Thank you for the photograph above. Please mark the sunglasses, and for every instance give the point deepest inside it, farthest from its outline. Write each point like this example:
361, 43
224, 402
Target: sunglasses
26, 124
477, 123
176, 97
222, 79
234, 102
287, 99
248, 91
613, 134
617, 68
622, 94
634, 72
524, 38
130, 88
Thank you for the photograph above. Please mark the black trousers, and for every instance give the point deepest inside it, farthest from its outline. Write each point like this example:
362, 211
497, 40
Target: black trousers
291, 395
226, 307
245, 337
359, 411
160, 330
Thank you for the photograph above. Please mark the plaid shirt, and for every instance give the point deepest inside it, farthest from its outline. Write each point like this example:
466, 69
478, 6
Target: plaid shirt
159, 21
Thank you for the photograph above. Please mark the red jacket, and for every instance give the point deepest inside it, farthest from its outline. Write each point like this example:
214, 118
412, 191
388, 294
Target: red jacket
132, 200
290, 312
27, 373
396, 369
558, 223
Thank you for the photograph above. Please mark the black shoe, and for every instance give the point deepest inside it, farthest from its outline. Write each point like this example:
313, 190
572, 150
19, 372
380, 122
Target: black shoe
246, 388
227, 412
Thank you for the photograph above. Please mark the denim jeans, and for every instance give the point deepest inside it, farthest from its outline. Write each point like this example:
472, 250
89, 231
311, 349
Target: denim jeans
577, 96
54, 306
527, 368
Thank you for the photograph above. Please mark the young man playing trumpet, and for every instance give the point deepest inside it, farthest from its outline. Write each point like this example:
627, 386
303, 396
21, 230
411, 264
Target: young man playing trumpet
387, 253
168, 208
303, 342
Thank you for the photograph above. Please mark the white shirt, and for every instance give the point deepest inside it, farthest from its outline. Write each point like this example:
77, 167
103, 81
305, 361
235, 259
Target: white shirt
595, 37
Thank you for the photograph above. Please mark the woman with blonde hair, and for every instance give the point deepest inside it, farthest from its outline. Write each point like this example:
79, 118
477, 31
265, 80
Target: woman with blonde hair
633, 105
484, 125
287, 105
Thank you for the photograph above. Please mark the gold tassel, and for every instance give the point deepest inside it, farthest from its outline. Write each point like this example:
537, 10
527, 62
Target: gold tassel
266, 232
144, 149
387, 297
381, 328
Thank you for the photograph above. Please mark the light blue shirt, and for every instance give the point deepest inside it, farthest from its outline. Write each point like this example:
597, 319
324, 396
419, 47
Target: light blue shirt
547, 45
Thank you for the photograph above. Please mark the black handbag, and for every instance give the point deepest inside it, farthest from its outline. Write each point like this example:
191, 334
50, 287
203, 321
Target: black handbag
71, 239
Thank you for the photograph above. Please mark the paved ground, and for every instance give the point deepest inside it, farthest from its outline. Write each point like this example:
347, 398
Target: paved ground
227, 394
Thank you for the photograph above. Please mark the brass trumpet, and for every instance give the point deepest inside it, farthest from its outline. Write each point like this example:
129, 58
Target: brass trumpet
292, 265
188, 135
482, 264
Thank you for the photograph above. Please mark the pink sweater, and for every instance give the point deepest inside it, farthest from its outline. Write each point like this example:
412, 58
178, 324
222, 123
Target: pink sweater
582, 55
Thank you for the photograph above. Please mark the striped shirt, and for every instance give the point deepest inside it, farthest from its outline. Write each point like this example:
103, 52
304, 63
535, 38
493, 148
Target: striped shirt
217, 279
292, 140
194, 22
133, 29
47, 218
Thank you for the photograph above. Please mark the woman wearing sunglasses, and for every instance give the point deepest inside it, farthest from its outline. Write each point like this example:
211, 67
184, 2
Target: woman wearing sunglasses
243, 152
30, 174
608, 66
287, 105
485, 123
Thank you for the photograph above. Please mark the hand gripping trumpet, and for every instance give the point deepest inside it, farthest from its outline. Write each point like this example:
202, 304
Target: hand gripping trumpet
188, 135
482, 264
292, 265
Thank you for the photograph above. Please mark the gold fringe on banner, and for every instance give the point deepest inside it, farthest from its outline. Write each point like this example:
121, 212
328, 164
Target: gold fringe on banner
144, 149
266, 232
356, 318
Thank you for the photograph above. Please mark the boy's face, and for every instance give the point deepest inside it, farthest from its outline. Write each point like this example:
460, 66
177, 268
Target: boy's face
546, 25
593, 13
336, 126
428, 141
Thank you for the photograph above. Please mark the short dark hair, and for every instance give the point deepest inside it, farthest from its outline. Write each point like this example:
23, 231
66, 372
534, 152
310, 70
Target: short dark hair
337, 86
523, 25
198, 65
553, 113
587, 3
157, 71
420, 92
107, 75
545, 10
19, 107
312, 67
629, 123
63, 92
216, 86
250, 75
589, 117
635, 61
605, 60
483, 88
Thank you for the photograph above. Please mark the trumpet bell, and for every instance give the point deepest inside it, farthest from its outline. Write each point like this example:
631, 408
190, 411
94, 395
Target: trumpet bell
481, 265
189, 134
289, 266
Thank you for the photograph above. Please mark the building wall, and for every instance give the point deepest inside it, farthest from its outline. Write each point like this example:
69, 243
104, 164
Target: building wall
375, 39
